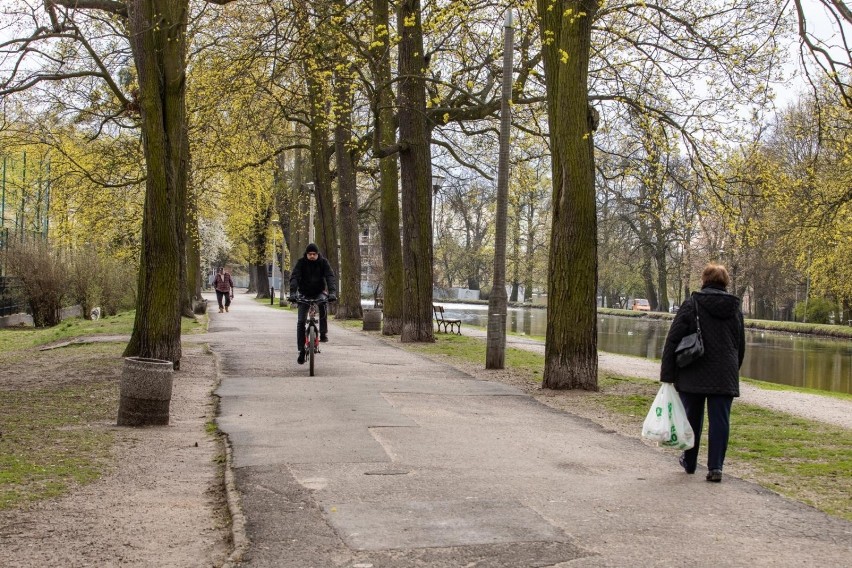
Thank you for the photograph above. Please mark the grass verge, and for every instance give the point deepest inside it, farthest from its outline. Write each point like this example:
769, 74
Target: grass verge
16, 338
275, 304
801, 459
53, 432
56, 406
49, 442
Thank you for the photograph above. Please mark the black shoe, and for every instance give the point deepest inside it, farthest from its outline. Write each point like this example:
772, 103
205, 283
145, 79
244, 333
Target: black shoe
714, 475
686, 468
324, 337
301, 359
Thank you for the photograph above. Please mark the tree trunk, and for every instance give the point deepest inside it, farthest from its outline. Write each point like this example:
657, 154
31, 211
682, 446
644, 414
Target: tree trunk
262, 279
516, 252
647, 272
385, 134
416, 176
662, 279
349, 305
571, 360
325, 219
260, 228
325, 222
252, 283
529, 257
193, 258
300, 216
287, 207
158, 39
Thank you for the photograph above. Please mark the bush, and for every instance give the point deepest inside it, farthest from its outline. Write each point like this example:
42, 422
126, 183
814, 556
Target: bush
85, 271
43, 277
118, 286
819, 310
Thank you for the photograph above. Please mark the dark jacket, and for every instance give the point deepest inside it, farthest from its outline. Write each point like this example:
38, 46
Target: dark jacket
312, 277
223, 282
723, 332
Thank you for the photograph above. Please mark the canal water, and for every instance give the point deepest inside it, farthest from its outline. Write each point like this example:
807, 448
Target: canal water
795, 360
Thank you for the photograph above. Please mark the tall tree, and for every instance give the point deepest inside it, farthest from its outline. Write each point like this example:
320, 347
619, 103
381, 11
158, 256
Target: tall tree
416, 176
345, 148
571, 359
156, 30
384, 136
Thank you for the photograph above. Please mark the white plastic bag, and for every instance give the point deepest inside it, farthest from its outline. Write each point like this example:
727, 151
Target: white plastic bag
666, 422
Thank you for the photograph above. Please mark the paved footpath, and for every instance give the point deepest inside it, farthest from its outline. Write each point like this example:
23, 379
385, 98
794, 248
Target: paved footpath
388, 459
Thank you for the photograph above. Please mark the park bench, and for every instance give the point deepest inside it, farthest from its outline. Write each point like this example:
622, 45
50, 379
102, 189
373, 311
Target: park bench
448, 325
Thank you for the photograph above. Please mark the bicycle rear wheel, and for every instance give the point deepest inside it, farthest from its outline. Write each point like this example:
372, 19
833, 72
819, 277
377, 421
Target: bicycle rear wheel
312, 345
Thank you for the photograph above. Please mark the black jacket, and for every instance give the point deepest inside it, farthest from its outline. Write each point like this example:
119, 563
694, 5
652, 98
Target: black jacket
312, 277
723, 332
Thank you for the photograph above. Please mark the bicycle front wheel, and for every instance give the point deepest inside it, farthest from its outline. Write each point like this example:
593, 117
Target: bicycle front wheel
312, 346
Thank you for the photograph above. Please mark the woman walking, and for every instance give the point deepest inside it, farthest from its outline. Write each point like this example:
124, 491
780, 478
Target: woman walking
714, 378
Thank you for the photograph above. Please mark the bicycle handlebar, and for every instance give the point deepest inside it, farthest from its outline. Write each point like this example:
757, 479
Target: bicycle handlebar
303, 300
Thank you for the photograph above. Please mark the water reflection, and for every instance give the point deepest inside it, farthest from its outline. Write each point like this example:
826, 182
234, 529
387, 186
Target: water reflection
804, 361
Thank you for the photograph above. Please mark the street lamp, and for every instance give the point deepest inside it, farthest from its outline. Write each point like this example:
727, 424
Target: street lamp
437, 182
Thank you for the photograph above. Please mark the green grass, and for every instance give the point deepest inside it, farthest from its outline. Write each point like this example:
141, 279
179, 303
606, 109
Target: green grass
805, 460
13, 339
17, 338
798, 327
265, 302
49, 442
779, 387
843, 331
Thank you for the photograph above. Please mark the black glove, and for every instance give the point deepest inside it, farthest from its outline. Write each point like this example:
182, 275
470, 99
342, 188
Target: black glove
332, 297
292, 297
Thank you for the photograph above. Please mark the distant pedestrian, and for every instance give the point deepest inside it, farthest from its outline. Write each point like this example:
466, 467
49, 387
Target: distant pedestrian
224, 286
715, 376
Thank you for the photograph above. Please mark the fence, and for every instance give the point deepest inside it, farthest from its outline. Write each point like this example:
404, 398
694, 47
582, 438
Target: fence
10, 298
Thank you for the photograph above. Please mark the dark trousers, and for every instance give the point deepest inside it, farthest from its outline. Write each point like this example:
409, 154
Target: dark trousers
226, 295
719, 427
300, 326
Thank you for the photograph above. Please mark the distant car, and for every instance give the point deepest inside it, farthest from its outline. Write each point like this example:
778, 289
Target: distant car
640, 305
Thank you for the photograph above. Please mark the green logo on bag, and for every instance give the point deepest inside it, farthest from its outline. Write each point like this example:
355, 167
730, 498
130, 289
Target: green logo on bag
674, 434
659, 411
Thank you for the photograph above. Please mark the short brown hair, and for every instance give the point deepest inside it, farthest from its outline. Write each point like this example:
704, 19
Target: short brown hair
715, 274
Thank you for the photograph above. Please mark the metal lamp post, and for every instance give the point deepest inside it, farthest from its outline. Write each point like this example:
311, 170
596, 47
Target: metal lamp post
437, 183
495, 354
309, 186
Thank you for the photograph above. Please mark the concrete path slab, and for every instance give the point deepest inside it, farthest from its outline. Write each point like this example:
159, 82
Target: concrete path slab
389, 459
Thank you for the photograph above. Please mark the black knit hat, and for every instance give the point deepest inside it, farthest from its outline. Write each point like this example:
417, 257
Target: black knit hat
312, 248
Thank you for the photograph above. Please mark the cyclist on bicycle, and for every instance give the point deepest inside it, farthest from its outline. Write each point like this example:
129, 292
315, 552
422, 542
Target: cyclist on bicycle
311, 277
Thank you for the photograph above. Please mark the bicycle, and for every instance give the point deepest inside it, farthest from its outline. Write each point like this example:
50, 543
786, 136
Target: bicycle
312, 333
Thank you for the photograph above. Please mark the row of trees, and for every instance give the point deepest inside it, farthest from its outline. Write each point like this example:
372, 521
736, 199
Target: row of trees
249, 110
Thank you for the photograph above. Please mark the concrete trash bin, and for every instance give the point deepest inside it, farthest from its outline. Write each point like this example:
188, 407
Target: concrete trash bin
372, 319
146, 391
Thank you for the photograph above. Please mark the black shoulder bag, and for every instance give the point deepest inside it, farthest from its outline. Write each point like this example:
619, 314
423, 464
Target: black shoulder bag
691, 347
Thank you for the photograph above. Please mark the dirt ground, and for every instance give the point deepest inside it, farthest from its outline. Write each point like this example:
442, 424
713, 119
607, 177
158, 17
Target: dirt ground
160, 504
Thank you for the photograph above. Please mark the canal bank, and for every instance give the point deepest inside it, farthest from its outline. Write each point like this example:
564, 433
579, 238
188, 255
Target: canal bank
822, 408
775, 356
